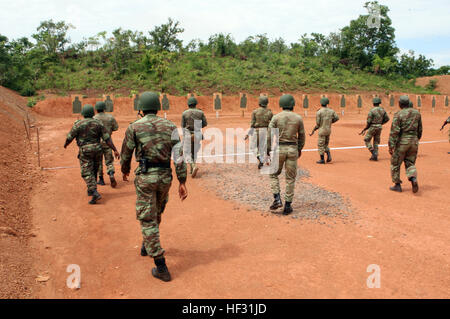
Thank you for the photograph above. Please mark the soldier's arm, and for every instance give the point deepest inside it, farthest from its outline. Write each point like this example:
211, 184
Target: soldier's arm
395, 133
253, 120
115, 125
335, 117
445, 123
126, 154
385, 118
183, 121
420, 128
71, 135
177, 150
270, 134
204, 122
301, 136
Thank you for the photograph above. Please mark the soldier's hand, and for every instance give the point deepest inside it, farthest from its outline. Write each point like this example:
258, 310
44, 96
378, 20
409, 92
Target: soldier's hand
125, 177
299, 153
117, 155
182, 191
246, 137
391, 151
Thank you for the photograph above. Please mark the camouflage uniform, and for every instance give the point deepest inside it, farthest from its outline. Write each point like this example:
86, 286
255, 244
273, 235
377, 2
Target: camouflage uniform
153, 138
110, 123
88, 133
260, 119
192, 138
448, 121
376, 118
324, 118
406, 131
291, 142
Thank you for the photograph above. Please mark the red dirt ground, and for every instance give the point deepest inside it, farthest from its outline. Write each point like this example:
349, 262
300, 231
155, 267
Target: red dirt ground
217, 249
443, 82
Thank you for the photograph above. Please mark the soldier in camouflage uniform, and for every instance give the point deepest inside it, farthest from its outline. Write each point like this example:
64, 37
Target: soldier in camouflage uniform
291, 141
443, 125
406, 131
375, 119
154, 139
324, 118
110, 123
88, 132
260, 120
192, 121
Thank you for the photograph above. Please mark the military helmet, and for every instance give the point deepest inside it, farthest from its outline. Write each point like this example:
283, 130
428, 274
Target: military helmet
376, 100
149, 101
192, 101
324, 101
287, 101
87, 111
263, 100
100, 106
403, 100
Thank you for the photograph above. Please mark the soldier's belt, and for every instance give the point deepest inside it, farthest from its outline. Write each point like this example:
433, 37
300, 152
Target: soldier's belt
287, 143
145, 164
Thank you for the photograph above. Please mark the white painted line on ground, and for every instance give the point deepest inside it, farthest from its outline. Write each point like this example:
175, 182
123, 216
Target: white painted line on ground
250, 153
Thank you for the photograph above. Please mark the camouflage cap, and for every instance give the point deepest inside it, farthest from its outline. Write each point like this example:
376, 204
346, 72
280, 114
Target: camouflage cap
192, 101
403, 100
287, 101
263, 100
324, 101
100, 106
149, 101
376, 100
88, 111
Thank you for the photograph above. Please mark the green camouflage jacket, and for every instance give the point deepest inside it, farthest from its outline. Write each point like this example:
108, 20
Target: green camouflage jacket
324, 118
261, 117
189, 116
406, 127
109, 122
377, 117
153, 138
88, 131
290, 128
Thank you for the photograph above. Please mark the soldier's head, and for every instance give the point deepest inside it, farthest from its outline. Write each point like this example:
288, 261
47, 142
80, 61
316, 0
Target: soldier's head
287, 102
263, 101
100, 107
324, 101
403, 101
192, 102
149, 103
87, 111
376, 101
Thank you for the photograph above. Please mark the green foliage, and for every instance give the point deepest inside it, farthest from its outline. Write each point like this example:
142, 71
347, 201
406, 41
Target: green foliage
431, 85
165, 36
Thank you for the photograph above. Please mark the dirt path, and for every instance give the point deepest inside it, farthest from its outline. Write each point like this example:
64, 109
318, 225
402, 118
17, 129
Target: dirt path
220, 249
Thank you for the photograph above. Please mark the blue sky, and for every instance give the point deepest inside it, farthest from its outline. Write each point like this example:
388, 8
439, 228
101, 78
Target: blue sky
422, 26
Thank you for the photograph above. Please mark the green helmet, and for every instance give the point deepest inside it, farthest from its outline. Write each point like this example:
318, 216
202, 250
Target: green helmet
100, 106
403, 100
192, 101
324, 101
287, 101
87, 111
149, 101
263, 101
376, 100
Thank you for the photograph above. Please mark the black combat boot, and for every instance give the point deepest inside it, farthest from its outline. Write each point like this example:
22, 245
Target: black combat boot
396, 188
101, 180
143, 250
322, 160
95, 197
415, 185
112, 179
276, 202
287, 208
328, 156
161, 271
374, 156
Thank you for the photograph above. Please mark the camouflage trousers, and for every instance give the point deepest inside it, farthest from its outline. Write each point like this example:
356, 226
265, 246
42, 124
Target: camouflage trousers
322, 144
258, 144
152, 192
109, 160
375, 133
90, 155
190, 149
406, 153
288, 155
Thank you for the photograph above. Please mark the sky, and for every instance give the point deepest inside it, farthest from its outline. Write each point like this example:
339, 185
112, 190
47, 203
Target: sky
421, 26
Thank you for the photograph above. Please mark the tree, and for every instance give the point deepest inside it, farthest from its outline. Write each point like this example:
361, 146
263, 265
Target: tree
222, 45
157, 62
52, 36
165, 36
361, 41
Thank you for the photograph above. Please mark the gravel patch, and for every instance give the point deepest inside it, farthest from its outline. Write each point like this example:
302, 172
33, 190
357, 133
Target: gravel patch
244, 185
